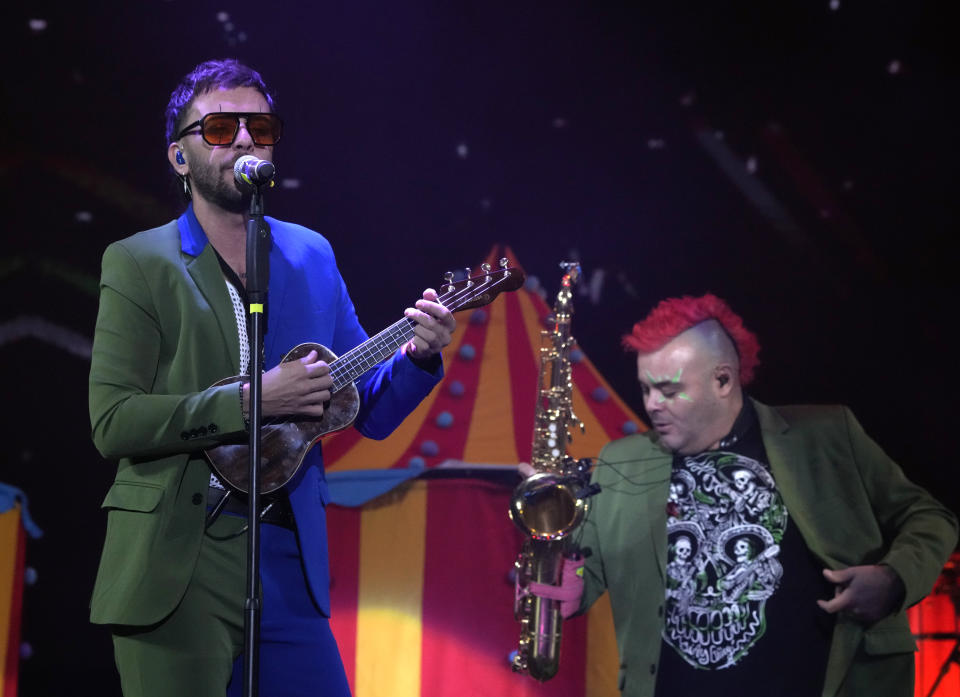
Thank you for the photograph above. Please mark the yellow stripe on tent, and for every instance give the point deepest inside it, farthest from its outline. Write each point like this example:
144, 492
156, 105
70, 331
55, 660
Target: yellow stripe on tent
390, 594
602, 664
490, 436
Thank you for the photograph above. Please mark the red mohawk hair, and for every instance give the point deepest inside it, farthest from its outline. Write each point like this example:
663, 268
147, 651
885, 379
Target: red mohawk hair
676, 315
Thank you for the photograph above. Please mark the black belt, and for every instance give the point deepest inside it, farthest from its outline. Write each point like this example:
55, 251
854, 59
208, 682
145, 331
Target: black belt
274, 508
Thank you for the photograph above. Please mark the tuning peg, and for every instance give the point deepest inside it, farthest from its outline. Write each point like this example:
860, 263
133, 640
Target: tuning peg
467, 272
504, 262
448, 277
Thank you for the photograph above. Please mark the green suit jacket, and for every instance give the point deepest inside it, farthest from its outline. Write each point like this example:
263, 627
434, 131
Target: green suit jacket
851, 503
166, 331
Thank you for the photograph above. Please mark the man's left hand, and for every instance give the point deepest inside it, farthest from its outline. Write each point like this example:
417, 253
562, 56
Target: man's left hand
433, 329
865, 593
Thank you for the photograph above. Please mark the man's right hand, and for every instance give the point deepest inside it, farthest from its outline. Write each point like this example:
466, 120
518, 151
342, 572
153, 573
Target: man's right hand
301, 386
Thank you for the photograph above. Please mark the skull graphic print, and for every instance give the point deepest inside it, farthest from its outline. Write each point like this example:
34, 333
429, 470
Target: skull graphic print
723, 549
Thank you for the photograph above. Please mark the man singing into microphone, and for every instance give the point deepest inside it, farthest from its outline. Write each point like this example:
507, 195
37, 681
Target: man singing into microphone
171, 323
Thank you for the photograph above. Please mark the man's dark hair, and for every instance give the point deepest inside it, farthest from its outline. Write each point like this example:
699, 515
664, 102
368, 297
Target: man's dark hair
206, 77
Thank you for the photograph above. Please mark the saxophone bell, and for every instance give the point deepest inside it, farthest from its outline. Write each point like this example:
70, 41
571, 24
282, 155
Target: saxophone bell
547, 506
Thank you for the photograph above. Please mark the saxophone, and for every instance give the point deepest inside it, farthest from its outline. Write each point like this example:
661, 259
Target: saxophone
550, 504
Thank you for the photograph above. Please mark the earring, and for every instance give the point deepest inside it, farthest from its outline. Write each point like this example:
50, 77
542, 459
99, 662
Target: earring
180, 160
186, 185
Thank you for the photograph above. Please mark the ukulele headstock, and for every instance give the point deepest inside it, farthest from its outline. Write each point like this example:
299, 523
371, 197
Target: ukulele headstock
480, 289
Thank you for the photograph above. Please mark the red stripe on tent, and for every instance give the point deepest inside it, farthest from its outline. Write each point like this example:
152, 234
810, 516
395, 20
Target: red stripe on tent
343, 525
468, 570
524, 378
336, 445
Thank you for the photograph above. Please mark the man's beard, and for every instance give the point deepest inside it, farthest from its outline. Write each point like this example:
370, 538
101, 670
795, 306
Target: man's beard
225, 194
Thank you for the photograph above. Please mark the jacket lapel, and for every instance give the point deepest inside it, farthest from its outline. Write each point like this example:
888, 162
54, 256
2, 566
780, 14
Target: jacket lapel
660, 472
787, 452
201, 262
276, 293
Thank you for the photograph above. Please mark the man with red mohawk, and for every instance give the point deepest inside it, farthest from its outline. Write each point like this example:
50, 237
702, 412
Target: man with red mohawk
750, 549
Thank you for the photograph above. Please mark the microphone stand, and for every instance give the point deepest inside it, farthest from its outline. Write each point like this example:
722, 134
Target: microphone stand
258, 274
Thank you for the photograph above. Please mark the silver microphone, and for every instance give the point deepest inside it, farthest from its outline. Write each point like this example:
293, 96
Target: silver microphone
253, 171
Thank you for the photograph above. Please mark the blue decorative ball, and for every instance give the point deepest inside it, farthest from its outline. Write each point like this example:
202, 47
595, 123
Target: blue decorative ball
29, 575
467, 352
629, 427
532, 283
26, 651
456, 388
416, 463
444, 419
429, 448
478, 317
576, 355
600, 394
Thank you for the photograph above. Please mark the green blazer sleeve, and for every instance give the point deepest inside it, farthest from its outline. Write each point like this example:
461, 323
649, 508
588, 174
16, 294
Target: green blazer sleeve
140, 411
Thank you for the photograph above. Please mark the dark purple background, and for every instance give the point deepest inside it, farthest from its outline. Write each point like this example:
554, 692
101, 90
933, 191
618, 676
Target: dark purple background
579, 123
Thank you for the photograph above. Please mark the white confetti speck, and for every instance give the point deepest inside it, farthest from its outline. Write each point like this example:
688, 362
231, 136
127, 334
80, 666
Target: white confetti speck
289, 183
83, 216
894, 67
848, 184
242, 36
719, 135
462, 151
834, 5
222, 16
37, 24
752, 164
228, 26
689, 99
656, 143
559, 122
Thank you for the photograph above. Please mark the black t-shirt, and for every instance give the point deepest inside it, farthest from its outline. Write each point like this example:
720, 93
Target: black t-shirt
741, 616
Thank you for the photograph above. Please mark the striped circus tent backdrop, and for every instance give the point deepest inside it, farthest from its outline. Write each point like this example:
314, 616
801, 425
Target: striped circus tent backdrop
421, 545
